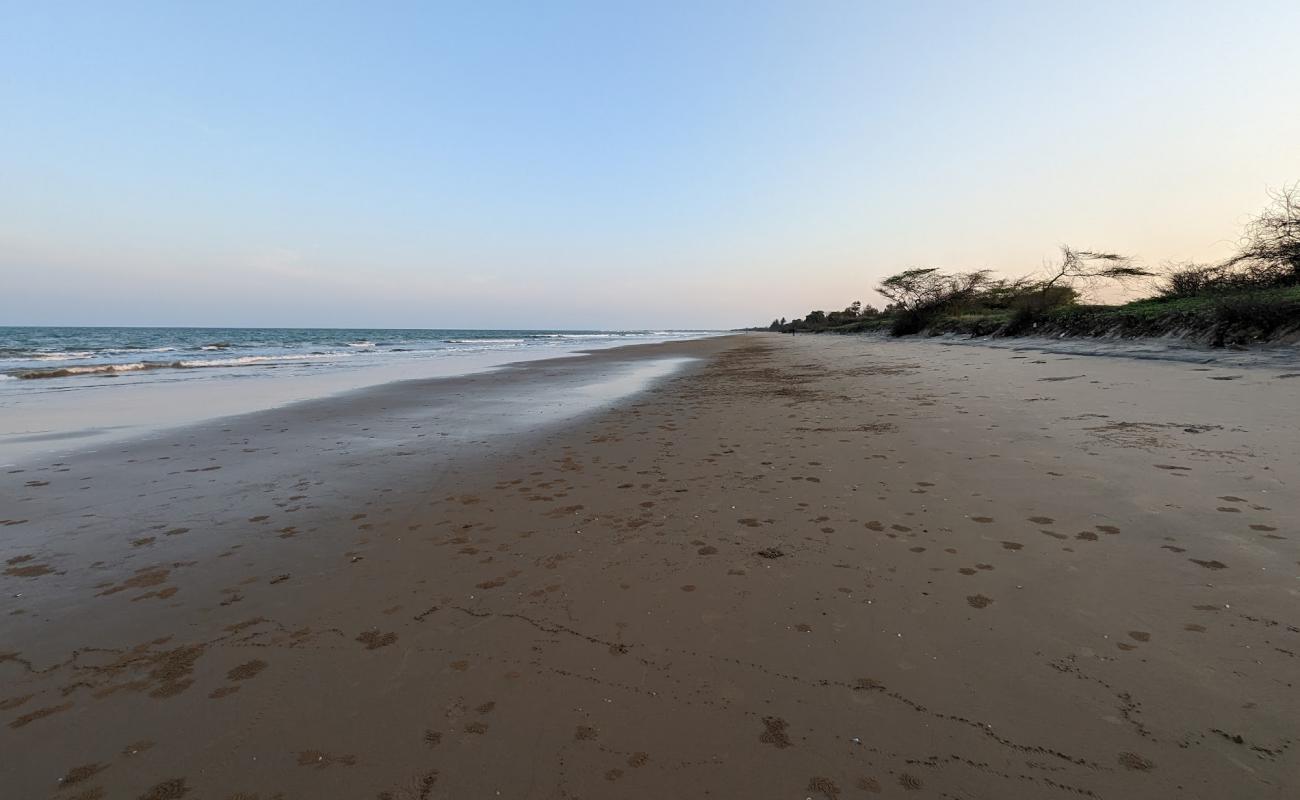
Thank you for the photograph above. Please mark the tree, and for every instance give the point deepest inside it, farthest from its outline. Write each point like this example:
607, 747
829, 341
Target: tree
927, 287
1270, 248
1087, 267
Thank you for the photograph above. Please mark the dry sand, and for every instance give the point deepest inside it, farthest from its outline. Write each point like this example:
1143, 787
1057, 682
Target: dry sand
802, 567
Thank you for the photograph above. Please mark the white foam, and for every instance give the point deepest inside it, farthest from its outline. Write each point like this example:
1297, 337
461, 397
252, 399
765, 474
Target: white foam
72, 355
244, 360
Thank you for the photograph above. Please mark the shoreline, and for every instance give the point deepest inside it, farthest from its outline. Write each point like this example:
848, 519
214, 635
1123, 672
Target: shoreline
797, 566
99, 410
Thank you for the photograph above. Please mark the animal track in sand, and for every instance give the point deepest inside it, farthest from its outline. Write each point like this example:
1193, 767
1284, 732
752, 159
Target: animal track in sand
1042, 520
1012, 546
979, 601
1208, 564
982, 520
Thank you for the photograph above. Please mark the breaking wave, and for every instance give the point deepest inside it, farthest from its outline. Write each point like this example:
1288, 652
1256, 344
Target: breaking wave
138, 366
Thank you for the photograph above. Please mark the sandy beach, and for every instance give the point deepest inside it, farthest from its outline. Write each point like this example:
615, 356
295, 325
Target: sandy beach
790, 567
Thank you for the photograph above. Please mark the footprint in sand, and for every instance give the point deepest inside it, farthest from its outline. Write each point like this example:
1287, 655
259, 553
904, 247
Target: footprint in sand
79, 774
167, 790
1134, 761
774, 733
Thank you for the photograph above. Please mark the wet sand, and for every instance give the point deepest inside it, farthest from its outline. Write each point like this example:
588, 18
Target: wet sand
797, 567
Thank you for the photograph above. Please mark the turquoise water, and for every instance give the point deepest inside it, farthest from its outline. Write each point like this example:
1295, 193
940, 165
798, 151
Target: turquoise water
84, 354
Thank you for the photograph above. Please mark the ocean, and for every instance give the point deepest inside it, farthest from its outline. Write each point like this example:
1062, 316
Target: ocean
195, 353
66, 388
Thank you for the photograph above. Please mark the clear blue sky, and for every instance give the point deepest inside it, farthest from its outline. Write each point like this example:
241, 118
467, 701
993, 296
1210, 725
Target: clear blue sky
610, 164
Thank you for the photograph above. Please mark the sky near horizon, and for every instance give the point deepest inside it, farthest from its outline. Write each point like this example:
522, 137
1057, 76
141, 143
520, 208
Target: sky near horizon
611, 164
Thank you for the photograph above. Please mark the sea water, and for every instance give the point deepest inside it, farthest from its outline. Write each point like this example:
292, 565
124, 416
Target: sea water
65, 388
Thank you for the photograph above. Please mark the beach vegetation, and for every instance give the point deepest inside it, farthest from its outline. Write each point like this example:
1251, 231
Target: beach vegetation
1253, 295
